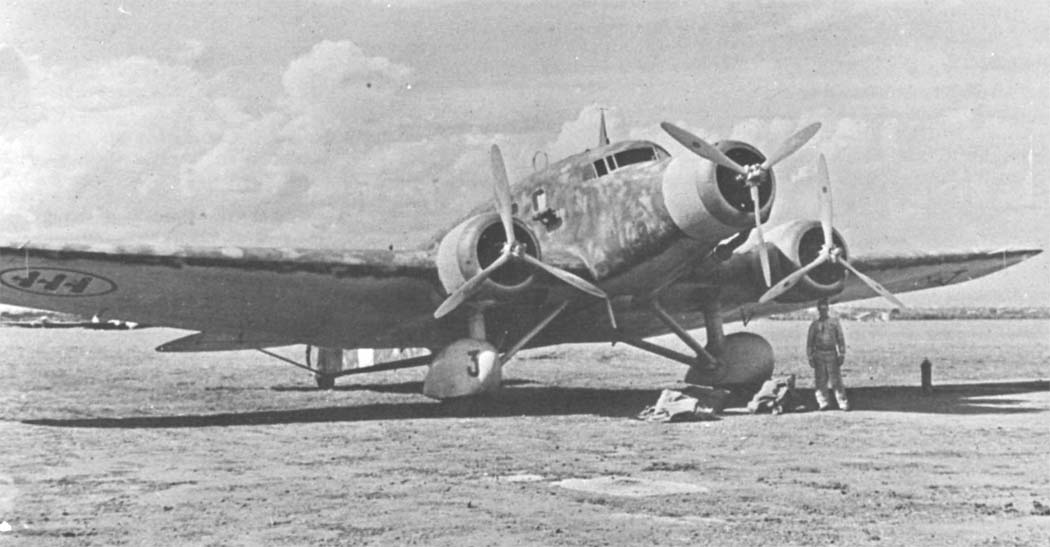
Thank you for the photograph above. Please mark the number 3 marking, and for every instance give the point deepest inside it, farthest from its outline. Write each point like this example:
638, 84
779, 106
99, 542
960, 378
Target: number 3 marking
473, 368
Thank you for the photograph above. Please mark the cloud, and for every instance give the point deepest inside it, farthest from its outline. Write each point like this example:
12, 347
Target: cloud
580, 134
137, 149
333, 149
13, 68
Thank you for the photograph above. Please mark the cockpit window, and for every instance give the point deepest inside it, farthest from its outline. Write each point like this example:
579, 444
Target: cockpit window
599, 166
634, 155
619, 160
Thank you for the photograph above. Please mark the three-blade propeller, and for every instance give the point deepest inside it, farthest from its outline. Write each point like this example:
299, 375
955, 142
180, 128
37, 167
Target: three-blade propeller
829, 252
513, 250
751, 175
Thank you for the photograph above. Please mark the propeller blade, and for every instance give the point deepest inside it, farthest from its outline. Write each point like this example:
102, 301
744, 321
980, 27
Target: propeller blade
785, 284
791, 145
567, 277
501, 187
612, 314
762, 255
701, 148
875, 286
468, 289
824, 194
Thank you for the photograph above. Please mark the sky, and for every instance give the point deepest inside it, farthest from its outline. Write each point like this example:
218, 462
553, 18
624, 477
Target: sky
366, 124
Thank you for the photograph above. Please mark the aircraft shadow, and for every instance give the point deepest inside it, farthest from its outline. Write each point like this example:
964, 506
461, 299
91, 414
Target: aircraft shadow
975, 398
543, 400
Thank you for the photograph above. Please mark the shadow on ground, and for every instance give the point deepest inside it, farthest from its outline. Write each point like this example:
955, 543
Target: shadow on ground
541, 400
976, 398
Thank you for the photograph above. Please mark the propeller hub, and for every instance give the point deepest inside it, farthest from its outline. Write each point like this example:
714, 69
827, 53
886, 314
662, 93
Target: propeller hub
754, 175
735, 187
811, 247
491, 243
517, 250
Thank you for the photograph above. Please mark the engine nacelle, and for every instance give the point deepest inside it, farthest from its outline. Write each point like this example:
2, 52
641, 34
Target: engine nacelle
792, 246
476, 243
710, 202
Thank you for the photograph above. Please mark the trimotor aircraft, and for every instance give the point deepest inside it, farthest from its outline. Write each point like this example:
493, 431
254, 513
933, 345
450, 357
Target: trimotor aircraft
619, 243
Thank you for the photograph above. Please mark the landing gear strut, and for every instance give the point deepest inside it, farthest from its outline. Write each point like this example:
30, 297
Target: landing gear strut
473, 366
737, 360
329, 363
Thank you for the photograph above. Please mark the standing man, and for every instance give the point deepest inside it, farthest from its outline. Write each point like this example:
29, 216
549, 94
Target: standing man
826, 348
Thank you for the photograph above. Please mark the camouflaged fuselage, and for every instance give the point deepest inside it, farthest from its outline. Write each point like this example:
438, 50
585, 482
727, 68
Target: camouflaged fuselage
613, 223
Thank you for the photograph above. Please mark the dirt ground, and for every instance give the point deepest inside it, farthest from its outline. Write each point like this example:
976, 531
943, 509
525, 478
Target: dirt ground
104, 442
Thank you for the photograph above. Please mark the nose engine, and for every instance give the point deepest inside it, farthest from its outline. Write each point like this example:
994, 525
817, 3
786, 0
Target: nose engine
708, 201
743, 178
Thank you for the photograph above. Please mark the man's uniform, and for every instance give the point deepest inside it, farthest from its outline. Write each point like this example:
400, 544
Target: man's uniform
826, 348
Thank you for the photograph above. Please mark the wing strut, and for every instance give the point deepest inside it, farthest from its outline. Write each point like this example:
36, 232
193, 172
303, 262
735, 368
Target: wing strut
509, 354
411, 362
703, 359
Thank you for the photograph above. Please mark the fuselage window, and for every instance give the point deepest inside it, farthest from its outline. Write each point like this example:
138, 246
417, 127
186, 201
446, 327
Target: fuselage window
635, 155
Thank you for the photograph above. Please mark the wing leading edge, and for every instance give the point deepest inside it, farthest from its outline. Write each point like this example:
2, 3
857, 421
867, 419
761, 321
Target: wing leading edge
899, 274
907, 273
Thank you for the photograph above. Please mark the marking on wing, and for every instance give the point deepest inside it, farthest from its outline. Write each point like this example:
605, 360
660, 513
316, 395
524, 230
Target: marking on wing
56, 282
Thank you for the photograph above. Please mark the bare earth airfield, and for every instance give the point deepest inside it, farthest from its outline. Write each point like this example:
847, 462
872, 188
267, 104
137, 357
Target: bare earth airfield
106, 442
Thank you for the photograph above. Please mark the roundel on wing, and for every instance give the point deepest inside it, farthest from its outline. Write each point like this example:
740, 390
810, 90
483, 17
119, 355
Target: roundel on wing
56, 282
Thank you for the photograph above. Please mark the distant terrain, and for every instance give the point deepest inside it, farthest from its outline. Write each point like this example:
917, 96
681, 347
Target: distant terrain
923, 314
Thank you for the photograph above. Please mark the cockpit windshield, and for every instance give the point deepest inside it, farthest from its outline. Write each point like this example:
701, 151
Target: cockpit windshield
635, 155
619, 160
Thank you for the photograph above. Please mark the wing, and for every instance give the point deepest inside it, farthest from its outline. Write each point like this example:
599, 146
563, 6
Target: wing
906, 273
345, 299
735, 281
901, 274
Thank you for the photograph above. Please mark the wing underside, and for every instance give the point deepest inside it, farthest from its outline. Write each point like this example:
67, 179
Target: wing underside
902, 274
265, 297
686, 299
320, 297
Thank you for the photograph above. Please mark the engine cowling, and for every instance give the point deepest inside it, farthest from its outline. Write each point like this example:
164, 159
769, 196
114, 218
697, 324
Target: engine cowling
710, 202
792, 246
476, 243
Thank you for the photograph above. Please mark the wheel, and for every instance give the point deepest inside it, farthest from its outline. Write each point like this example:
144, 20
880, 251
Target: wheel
748, 360
324, 382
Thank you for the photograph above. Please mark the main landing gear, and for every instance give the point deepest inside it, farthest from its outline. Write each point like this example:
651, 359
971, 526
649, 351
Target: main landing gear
473, 366
740, 360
